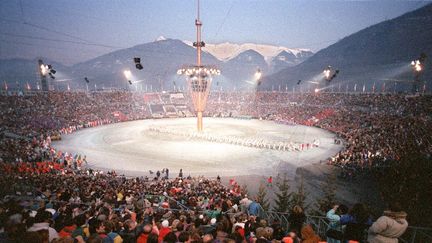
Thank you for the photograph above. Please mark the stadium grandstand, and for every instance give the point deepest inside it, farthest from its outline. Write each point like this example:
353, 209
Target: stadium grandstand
384, 136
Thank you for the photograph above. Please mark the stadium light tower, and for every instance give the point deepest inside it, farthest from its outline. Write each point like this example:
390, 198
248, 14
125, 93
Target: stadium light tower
417, 67
199, 77
327, 72
45, 70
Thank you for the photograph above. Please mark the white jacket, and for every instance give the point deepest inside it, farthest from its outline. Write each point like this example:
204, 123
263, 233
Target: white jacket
52, 233
388, 228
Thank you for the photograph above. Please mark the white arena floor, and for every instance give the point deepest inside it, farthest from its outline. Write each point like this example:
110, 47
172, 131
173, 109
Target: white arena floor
132, 148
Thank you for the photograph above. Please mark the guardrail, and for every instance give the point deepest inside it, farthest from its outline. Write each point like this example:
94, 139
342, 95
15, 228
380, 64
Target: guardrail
320, 224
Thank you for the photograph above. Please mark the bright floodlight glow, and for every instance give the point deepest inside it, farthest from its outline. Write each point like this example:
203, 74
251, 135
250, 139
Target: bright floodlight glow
44, 69
416, 65
316, 90
258, 74
127, 74
326, 73
195, 71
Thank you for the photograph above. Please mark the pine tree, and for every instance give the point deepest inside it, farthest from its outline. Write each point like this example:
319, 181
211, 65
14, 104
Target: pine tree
283, 196
261, 197
300, 195
328, 187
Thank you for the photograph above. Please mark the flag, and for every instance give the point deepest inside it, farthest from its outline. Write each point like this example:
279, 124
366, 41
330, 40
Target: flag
373, 88
364, 88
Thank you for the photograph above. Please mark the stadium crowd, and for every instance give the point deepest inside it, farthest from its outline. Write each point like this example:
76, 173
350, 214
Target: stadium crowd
90, 206
376, 128
52, 206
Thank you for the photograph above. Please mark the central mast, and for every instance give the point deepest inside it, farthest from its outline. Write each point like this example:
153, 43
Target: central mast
198, 45
199, 77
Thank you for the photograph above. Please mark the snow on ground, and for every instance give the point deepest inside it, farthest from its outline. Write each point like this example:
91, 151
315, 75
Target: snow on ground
131, 149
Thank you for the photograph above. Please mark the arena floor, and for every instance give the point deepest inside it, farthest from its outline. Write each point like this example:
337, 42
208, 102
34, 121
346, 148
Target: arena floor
132, 148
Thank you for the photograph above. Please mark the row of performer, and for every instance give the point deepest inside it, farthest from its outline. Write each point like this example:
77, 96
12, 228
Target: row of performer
246, 142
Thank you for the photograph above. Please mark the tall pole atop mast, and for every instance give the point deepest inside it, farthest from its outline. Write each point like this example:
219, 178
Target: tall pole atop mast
199, 44
198, 25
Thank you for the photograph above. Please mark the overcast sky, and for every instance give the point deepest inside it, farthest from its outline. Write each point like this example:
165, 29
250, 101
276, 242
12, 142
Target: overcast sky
74, 31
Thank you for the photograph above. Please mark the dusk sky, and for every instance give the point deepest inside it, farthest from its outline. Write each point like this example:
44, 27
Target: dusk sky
74, 31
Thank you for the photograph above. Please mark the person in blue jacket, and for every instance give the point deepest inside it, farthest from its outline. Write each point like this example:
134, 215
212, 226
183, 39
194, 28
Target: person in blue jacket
334, 215
357, 221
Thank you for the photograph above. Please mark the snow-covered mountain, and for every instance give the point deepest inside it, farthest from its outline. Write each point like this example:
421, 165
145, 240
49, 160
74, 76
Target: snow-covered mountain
161, 59
226, 51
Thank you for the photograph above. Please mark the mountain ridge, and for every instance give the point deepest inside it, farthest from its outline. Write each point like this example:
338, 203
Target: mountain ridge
228, 50
160, 59
377, 53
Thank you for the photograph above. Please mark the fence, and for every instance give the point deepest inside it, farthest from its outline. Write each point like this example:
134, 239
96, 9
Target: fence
320, 223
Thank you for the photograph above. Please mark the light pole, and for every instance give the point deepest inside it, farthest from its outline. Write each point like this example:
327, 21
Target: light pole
417, 68
329, 74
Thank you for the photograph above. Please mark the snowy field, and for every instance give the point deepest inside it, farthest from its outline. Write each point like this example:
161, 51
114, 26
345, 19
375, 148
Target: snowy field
132, 149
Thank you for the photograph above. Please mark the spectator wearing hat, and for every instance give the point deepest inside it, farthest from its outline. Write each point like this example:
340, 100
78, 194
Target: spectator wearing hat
164, 230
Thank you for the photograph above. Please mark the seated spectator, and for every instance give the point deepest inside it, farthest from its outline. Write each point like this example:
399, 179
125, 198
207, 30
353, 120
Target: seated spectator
390, 226
42, 220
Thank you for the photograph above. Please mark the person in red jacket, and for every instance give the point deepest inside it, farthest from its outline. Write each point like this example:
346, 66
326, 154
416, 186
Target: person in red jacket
142, 238
164, 230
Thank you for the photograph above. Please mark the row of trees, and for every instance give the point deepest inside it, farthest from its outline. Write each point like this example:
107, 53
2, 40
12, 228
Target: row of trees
285, 198
407, 180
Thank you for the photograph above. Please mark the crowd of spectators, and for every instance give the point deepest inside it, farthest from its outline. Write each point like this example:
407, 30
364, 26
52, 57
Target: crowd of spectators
50, 189
376, 128
51, 206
